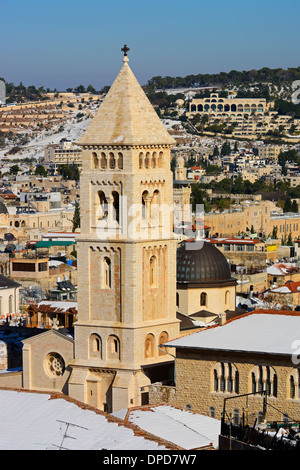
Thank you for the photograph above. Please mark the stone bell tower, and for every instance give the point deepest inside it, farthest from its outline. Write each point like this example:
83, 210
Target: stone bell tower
126, 250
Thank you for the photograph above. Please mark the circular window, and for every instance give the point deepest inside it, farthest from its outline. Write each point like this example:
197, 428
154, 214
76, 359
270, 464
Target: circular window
54, 365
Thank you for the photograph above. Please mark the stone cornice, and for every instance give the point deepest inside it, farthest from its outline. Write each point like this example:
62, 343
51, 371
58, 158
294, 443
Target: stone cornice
94, 146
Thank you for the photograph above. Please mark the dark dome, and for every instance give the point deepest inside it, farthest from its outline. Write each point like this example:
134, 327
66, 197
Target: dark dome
200, 262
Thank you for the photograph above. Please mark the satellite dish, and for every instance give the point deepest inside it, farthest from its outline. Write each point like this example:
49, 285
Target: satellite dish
9, 237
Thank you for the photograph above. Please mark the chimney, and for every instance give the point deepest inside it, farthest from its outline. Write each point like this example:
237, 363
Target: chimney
222, 318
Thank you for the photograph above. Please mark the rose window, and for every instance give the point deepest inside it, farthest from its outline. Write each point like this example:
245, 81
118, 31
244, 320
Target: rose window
54, 365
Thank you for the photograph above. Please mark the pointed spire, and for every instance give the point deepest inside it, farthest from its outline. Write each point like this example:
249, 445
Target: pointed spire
126, 116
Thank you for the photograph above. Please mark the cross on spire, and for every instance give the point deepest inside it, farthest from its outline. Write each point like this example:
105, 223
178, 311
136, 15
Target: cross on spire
125, 49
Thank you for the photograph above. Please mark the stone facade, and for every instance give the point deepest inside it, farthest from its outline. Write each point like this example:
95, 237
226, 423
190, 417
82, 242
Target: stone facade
195, 386
126, 250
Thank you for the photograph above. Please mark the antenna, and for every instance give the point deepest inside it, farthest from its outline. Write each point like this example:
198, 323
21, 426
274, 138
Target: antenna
65, 435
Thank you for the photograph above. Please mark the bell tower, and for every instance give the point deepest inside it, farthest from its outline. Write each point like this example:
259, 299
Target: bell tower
126, 250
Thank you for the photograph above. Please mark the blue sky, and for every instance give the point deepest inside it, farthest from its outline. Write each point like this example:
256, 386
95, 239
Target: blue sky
60, 44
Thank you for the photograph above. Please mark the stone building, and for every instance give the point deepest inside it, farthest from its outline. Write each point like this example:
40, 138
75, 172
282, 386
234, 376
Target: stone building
214, 105
182, 194
64, 153
126, 278
205, 288
249, 366
126, 262
9, 297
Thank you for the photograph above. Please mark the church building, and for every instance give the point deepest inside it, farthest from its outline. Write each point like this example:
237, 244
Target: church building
130, 269
126, 263
126, 251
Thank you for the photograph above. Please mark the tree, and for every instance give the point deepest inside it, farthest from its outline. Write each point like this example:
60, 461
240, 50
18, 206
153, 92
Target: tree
90, 89
225, 150
14, 170
294, 206
287, 205
216, 151
76, 217
79, 89
238, 186
275, 232
41, 170
290, 240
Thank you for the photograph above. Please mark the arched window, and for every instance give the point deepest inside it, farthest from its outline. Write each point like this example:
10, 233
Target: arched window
216, 381
264, 379
153, 271
95, 346
253, 383
147, 160
225, 378
203, 299
95, 160
177, 299
120, 161
154, 160
160, 159
103, 161
294, 384
102, 210
163, 338
116, 205
112, 161
10, 304
149, 346
113, 347
141, 160
212, 412
106, 273
227, 298
144, 207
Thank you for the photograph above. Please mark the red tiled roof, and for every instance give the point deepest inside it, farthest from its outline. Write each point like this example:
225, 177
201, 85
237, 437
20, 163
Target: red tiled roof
243, 241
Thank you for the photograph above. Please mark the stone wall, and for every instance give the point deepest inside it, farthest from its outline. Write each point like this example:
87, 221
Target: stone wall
194, 386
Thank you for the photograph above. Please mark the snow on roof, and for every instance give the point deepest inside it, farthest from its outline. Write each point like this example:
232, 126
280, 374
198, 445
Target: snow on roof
260, 331
54, 263
287, 288
58, 304
242, 241
38, 421
279, 269
183, 428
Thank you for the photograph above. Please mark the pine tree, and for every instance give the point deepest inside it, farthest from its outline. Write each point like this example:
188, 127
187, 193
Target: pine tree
76, 216
294, 206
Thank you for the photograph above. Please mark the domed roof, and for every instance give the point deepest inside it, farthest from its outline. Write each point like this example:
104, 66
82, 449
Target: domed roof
200, 262
180, 162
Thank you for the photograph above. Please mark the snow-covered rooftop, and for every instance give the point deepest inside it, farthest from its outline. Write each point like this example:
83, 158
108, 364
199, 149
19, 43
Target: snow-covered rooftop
184, 428
37, 421
273, 332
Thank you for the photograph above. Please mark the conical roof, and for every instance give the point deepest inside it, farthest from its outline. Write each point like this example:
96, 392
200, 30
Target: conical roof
126, 116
